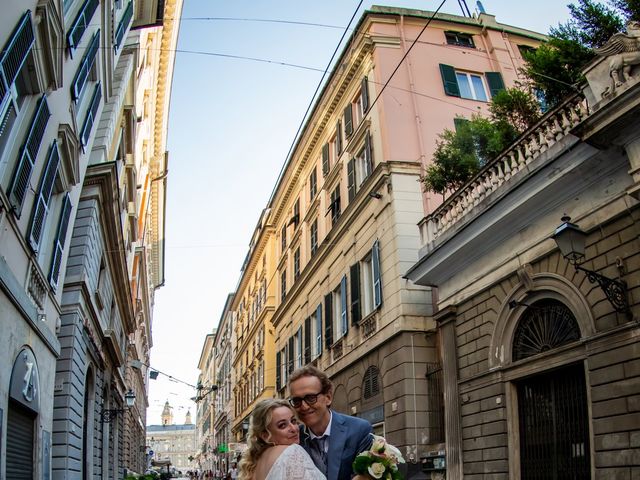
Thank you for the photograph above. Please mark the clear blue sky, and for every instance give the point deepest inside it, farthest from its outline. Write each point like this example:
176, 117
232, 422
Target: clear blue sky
231, 124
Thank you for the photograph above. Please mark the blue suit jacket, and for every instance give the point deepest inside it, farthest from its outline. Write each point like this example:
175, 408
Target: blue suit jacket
349, 437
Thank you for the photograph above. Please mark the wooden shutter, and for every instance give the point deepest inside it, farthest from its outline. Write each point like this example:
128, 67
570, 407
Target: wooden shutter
15, 52
354, 274
28, 156
368, 154
495, 82
338, 137
351, 179
365, 94
344, 322
41, 207
325, 159
348, 121
291, 355
278, 370
377, 284
319, 328
307, 340
449, 80
328, 320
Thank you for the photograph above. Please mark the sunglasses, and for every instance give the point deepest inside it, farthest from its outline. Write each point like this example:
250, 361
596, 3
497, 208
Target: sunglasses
310, 399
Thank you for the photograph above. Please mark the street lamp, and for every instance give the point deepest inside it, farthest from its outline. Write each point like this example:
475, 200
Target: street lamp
203, 392
109, 414
571, 242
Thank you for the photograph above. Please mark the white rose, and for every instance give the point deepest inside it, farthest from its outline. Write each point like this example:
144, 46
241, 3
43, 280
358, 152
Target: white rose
376, 470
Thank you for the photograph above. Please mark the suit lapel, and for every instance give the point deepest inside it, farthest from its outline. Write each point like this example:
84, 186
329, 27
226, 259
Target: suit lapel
336, 444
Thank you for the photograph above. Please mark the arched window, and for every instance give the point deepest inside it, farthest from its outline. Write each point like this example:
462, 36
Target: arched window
371, 383
546, 324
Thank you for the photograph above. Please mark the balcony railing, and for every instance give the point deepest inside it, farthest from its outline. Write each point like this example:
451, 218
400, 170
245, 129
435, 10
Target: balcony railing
509, 165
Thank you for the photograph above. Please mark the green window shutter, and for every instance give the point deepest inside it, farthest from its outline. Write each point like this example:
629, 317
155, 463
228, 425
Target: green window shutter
338, 137
325, 159
494, 80
449, 80
343, 306
307, 340
348, 121
458, 122
41, 206
377, 283
278, 370
28, 155
368, 155
365, 94
354, 275
328, 321
58, 246
319, 329
291, 355
351, 179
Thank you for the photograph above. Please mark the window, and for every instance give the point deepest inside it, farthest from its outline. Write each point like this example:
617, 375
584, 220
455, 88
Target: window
470, 85
325, 159
339, 307
368, 289
298, 347
361, 102
314, 236
334, 205
337, 142
317, 332
359, 168
348, 120
295, 218
283, 285
80, 24
296, 263
283, 239
313, 184
86, 70
459, 39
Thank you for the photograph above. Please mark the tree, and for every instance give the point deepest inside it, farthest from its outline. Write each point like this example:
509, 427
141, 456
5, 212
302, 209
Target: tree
460, 154
517, 108
630, 9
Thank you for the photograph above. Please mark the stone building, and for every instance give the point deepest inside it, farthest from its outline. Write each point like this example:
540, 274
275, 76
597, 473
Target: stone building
540, 346
176, 443
84, 87
205, 412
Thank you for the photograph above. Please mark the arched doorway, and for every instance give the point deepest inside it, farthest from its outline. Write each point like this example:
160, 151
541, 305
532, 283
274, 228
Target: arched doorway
22, 413
553, 417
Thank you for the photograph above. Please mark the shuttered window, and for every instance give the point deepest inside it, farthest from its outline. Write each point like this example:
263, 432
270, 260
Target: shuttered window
328, 320
291, 355
449, 80
125, 21
338, 139
59, 241
495, 82
364, 92
87, 63
344, 322
377, 283
307, 340
28, 155
470, 85
15, 53
348, 121
371, 383
91, 117
351, 180
43, 199
318, 331
278, 371
325, 159
354, 276
80, 24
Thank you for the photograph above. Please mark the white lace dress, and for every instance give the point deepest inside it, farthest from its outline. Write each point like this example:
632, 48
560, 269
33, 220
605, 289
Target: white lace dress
294, 463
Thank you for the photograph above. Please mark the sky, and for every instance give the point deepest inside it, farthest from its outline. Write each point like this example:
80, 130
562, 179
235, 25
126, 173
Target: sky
232, 122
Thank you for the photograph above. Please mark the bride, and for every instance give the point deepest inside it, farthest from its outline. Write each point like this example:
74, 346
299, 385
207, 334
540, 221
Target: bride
273, 452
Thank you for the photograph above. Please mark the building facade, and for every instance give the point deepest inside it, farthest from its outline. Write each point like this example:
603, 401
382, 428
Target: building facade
345, 210
176, 444
82, 244
540, 345
205, 411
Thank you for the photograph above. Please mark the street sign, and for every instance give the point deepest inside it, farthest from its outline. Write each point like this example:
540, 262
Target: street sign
151, 452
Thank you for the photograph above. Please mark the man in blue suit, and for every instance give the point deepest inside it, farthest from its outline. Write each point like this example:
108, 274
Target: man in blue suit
332, 439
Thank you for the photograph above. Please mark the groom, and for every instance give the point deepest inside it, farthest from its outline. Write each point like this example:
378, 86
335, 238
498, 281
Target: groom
332, 439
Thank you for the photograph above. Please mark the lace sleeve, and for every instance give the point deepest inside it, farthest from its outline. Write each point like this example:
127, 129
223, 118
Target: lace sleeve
298, 465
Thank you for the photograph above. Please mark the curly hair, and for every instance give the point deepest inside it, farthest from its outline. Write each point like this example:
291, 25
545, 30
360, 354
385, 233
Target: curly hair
256, 445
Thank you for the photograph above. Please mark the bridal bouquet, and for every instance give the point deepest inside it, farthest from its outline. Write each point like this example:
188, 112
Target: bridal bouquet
380, 461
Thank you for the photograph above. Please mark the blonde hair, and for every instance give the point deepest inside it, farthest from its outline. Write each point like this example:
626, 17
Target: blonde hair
256, 445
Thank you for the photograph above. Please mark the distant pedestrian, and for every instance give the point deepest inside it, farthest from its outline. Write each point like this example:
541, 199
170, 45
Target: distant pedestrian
233, 472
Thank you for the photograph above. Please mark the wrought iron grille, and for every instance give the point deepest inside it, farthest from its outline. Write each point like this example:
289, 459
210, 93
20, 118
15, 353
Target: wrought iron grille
554, 426
435, 403
545, 325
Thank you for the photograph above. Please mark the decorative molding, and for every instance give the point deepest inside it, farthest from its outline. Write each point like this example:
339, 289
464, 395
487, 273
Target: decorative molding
69, 148
50, 42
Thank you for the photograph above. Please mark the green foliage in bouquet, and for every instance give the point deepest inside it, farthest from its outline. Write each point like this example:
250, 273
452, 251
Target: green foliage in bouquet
380, 462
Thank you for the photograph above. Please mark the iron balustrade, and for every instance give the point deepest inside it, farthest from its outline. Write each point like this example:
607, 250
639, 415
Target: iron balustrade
91, 116
80, 24
82, 75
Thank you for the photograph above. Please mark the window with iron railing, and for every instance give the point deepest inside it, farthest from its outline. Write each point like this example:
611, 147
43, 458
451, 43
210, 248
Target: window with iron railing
125, 21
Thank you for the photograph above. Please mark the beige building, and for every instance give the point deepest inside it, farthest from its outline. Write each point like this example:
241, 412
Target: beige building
205, 402
540, 344
175, 443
